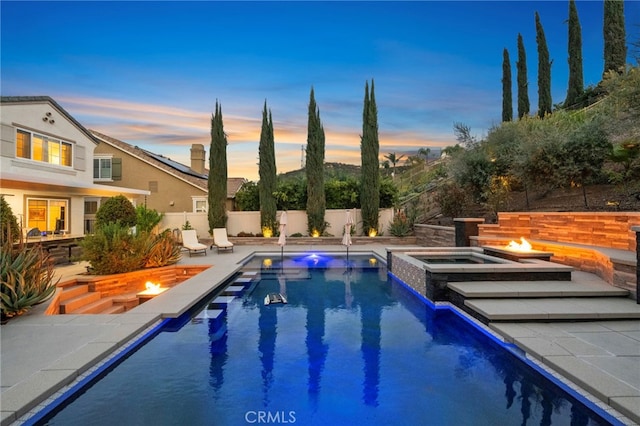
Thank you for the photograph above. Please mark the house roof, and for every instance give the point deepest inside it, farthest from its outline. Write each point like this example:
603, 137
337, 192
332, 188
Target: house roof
49, 100
174, 168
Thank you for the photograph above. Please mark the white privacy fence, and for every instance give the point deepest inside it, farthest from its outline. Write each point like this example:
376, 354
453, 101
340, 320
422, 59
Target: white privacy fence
249, 222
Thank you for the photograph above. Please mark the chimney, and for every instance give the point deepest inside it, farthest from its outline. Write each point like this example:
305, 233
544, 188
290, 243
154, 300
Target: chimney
197, 158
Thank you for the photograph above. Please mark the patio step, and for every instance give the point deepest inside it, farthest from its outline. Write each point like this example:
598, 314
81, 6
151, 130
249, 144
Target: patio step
114, 309
534, 289
75, 303
69, 292
97, 307
555, 309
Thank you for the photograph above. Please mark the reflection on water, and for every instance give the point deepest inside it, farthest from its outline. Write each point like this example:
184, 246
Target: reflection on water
347, 348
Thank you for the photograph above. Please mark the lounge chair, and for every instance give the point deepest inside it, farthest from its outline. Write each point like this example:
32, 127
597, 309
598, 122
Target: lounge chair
191, 243
220, 239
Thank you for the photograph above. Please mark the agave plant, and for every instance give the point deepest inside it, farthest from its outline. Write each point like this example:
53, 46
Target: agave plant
162, 250
26, 278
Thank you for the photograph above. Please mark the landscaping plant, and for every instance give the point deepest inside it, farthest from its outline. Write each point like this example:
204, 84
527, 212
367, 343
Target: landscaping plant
26, 277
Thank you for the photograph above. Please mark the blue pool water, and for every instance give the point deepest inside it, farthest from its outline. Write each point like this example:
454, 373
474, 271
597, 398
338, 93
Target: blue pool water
351, 347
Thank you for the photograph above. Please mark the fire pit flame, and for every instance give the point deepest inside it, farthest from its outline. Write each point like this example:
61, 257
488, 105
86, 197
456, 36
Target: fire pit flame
524, 245
152, 288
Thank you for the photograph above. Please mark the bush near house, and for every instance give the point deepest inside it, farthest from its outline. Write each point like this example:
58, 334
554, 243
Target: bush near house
115, 249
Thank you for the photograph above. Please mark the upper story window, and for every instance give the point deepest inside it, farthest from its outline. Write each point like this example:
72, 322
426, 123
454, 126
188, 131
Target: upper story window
34, 146
102, 168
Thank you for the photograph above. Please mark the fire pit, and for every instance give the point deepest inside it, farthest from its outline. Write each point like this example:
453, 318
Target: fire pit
518, 251
152, 290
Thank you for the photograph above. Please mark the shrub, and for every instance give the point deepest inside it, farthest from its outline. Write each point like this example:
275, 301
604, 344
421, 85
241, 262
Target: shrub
452, 199
113, 249
147, 219
8, 222
116, 209
26, 277
400, 226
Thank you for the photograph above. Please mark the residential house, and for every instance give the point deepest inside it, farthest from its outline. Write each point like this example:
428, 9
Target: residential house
173, 187
46, 170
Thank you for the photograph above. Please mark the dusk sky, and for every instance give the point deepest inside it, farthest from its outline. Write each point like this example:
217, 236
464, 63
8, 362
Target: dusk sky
149, 73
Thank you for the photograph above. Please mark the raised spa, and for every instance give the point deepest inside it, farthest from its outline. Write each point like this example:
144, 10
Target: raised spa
429, 270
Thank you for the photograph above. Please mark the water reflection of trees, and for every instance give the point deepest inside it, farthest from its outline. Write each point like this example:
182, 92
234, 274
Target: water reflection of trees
475, 349
523, 387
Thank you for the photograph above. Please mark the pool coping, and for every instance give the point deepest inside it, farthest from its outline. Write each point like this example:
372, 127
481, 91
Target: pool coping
28, 396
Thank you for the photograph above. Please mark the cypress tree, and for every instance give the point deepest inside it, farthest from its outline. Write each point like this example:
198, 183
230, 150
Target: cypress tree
316, 202
267, 170
576, 78
544, 71
217, 181
615, 48
507, 97
523, 94
369, 148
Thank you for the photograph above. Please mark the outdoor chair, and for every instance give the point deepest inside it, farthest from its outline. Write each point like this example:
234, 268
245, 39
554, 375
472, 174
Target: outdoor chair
191, 243
220, 239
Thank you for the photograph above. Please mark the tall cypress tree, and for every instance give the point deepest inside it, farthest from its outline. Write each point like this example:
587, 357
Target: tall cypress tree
217, 181
370, 151
576, 78
615, 47
316, 203
507, 97
523, 89
544, 71
267, 170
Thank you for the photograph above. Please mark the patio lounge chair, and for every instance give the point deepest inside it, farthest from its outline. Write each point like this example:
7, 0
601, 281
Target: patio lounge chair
191, 243
220, 239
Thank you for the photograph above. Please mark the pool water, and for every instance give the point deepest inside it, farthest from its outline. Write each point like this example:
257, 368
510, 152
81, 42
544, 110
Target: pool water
351, 346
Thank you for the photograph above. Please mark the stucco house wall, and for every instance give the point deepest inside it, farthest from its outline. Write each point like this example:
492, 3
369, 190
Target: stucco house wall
26, 180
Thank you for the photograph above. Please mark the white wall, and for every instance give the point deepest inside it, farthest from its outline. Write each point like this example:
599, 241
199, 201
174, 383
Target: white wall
249, 222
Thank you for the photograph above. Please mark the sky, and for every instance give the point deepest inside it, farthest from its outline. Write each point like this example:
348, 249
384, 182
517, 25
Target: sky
149, 73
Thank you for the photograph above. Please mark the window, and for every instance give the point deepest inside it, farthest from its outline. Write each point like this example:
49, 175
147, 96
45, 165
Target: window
102, 168
48, 214
200, 204
37, 147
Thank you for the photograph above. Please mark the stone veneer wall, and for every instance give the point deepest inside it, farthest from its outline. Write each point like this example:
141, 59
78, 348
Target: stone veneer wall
409, 273
606, 229
435, 236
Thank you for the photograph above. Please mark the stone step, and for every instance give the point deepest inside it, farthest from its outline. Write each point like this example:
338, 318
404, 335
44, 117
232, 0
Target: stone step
534, 289
74, 303
549, 309
97, 307
114, 309
73, 291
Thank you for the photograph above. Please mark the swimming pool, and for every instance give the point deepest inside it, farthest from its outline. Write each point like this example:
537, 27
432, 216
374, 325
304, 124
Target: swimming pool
351, 346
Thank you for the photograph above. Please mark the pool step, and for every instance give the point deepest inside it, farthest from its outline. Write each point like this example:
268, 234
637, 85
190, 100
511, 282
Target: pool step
221, 302
550, 309
233, 290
